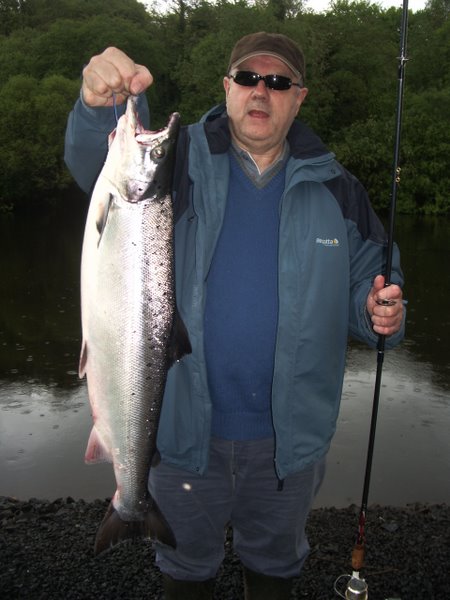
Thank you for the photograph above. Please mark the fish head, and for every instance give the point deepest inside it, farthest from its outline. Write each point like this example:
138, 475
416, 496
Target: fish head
141, 161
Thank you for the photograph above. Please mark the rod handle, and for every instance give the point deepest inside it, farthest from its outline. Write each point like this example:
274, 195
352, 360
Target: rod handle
358, 557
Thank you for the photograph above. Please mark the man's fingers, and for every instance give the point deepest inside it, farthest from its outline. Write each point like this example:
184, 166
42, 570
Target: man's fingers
113, 72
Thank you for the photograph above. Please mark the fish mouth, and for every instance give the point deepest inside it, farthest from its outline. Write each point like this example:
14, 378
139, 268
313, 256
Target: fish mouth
143, 136
147, 137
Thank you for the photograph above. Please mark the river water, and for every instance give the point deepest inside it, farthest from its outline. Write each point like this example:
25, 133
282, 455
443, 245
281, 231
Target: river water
44, 411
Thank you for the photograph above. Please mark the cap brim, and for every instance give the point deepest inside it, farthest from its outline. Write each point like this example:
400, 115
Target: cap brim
267, 53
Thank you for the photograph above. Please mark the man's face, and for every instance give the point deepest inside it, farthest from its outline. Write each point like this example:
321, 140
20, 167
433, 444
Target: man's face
260, 117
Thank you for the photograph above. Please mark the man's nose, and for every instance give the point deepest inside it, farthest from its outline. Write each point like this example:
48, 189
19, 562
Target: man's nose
261, 89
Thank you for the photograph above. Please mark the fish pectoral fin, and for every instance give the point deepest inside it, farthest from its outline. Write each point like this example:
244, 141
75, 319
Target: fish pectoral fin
102, 216
113, 530
96, 451
179, 340
83, 360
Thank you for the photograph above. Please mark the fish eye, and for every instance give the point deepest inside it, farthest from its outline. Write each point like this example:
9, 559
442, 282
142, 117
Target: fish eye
157, 153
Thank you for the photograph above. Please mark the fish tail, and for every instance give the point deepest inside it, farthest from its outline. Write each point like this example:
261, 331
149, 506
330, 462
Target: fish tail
113, 530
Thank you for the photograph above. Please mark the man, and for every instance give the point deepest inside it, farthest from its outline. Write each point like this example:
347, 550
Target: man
279, 258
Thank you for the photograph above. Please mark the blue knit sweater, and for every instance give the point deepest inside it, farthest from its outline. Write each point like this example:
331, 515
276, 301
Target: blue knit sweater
242, 308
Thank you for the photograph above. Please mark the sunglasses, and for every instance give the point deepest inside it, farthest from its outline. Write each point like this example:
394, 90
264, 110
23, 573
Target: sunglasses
273, 82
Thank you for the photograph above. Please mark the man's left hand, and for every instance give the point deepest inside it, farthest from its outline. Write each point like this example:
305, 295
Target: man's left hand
385, 307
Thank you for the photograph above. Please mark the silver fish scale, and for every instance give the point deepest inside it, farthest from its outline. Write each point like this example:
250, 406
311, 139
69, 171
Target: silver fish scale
132, 289
158, 306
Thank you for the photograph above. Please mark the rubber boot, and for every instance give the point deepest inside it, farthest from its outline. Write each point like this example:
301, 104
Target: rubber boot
264, 587
175, 589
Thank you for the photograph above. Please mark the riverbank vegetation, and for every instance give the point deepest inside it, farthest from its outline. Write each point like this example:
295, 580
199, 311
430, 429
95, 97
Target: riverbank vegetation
352, 70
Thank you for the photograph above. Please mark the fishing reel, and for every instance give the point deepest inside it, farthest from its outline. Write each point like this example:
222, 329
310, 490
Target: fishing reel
356, 588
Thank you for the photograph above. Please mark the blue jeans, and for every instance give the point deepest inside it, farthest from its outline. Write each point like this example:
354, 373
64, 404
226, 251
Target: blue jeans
239, 489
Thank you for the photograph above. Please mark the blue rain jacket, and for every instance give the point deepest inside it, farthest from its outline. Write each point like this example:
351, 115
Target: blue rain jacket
331, 246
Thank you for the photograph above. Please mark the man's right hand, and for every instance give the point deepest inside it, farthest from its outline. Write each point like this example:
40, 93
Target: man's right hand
113, 72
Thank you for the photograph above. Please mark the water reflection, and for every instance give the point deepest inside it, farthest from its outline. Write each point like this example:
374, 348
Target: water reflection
44, 412
412, 447
43, 434
40, 322
424, 246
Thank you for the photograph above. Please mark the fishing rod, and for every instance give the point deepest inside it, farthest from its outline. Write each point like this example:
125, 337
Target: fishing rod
357, 588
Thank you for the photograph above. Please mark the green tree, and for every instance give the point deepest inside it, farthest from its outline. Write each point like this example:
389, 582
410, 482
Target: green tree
351, 71
367, 149
32, 133
429, 47
426, 148
9, 16
362, 46
200, 68
39, 13
283, 9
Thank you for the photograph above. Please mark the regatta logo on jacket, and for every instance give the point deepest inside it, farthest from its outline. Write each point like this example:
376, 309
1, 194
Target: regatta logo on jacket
327, 242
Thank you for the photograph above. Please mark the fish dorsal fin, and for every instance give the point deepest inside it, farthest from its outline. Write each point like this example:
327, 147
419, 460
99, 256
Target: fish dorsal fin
179, 340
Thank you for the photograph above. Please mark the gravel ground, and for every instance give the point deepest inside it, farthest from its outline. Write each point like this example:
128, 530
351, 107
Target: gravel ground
46, 553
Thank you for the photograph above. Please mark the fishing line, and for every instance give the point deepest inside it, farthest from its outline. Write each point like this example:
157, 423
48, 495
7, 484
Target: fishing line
115, 107
356, 587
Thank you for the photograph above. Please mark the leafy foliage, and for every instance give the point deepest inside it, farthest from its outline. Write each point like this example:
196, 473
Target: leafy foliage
351, 53
32, 127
